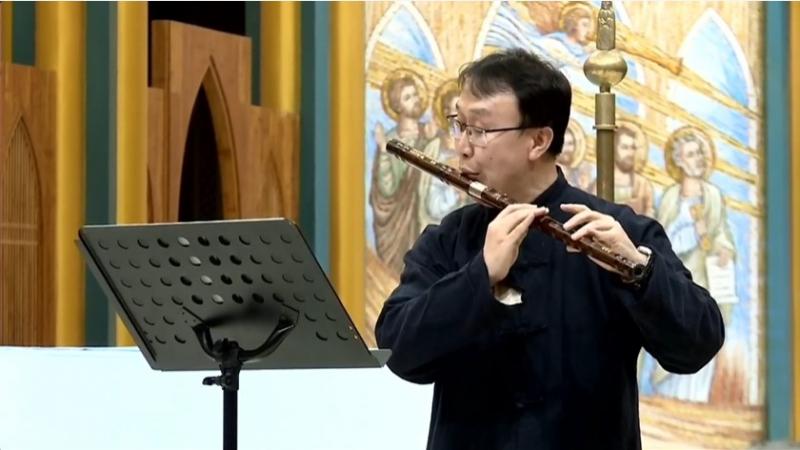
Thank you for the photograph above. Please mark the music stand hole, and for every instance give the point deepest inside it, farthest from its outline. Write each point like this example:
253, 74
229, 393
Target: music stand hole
197, 299
237, 298
226, 279
174, 261
244, 240
258, 298
179, 339
247, 279
162, 243
235, 259
186, 281
255, 259
321, 336
214, 260
203, 241
278, 297
224, 241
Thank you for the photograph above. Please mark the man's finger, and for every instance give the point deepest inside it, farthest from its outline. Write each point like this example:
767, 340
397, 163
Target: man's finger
580, 218
521, 230
512, 220
587, 230
526, 219
574, 207
513, 207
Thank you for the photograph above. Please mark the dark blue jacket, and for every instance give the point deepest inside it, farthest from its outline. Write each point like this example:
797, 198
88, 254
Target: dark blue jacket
559, 370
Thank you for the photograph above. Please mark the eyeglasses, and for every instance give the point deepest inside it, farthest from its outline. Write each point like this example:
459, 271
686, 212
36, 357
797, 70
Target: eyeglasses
475, 135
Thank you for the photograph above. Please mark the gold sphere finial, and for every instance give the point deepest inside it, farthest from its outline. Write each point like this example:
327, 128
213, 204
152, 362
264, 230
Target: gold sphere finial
605, 67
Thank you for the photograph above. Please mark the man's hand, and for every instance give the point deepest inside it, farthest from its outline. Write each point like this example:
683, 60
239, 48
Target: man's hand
603, 229
503, 237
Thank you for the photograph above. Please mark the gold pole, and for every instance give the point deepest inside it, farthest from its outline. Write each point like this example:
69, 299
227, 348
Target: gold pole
131, 122
280, 56
347, 168
794, 117
60, 48
605, 68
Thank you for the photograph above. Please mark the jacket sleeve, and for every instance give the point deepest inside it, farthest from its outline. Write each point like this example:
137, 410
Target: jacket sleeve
680, 323
437, 319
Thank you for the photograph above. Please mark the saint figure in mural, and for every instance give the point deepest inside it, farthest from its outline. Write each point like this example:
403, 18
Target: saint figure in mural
694, 216
576, 26
394, 191
630, 155
561, 33
438, 198
577, 170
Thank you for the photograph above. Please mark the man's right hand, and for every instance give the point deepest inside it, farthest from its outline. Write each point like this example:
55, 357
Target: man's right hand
504, 236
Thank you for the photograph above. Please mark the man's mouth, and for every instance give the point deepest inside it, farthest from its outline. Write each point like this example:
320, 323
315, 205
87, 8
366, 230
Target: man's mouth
472, 176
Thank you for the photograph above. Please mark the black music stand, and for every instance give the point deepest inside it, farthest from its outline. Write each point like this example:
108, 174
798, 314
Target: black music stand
227, 295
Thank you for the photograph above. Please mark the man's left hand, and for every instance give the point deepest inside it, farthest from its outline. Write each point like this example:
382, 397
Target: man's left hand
603, 229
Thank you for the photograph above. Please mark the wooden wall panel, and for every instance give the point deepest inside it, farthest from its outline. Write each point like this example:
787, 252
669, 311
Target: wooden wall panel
27, 211
258, 149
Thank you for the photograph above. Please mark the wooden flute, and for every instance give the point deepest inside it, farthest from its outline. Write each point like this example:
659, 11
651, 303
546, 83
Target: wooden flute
487, 196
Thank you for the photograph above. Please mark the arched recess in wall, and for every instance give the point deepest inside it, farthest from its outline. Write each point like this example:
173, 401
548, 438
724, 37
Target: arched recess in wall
209, 178
26, 317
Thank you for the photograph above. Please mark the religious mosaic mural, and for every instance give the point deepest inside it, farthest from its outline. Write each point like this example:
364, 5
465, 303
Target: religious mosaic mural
688, 152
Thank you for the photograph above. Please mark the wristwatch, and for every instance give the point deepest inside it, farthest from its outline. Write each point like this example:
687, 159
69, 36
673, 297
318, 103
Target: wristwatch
639, 281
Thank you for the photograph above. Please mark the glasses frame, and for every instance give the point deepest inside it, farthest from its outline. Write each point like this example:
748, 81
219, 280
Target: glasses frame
463, 127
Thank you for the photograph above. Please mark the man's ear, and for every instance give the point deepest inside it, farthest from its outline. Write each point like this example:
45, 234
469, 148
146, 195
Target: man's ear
540, 139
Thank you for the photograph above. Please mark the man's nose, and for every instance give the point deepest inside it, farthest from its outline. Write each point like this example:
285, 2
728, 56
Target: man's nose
463, 146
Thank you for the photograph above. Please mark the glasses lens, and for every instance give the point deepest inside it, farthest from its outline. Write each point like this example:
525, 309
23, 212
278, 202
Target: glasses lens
477, 136
455, 127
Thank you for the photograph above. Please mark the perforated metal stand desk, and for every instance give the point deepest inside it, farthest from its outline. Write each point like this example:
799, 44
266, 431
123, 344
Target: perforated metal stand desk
227, 295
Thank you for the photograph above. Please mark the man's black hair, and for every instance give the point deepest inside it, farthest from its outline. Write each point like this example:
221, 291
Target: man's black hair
543, 93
